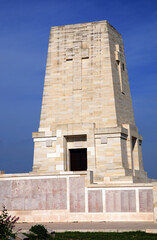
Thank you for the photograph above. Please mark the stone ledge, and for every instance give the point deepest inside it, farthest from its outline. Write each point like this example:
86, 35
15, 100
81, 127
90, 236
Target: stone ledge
38, 134
111, 130
37, 174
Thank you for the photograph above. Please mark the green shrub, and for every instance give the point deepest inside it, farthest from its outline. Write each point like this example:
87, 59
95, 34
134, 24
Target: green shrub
38, 232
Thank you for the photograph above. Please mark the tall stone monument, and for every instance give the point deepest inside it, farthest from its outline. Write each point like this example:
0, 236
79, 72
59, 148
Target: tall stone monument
87, 121
87, 151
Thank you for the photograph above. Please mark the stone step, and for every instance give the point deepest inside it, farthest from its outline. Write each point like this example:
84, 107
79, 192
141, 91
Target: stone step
127, 179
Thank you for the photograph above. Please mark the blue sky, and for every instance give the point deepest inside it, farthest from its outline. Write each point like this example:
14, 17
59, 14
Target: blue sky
24, 35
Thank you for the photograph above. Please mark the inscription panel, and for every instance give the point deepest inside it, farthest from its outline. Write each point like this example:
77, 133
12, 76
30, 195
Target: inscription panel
120, 201
77, 194
145, 200
95, 201
56, 197
34, 194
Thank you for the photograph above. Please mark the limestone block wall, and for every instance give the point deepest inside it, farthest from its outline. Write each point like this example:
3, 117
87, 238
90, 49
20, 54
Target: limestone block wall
67, 198
134, 152
83, 81
111, 157
122, 96
54, 157
110, 153
86, 84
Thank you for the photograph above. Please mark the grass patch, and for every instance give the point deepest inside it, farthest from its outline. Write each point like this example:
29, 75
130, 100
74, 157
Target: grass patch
105, 236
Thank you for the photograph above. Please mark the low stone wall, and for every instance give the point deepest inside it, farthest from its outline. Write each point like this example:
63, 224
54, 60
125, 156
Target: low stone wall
66, 198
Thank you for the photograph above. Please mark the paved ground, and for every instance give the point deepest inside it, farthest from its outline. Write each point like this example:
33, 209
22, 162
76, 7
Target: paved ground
94, 226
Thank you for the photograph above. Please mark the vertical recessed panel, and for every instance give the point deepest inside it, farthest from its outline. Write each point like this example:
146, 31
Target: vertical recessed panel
95, 201
146, 200
56, 198
77, 194
120, 201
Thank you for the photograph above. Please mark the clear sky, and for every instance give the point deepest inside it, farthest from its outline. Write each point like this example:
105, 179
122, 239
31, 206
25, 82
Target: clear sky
24, 35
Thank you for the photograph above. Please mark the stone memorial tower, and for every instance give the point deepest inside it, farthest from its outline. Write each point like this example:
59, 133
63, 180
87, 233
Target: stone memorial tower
87, 121
87, 151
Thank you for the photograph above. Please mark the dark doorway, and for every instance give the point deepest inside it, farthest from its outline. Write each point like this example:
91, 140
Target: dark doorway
78, 159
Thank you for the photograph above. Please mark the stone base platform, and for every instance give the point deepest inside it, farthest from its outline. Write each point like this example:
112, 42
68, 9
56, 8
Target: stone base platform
71, 198
94, 226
